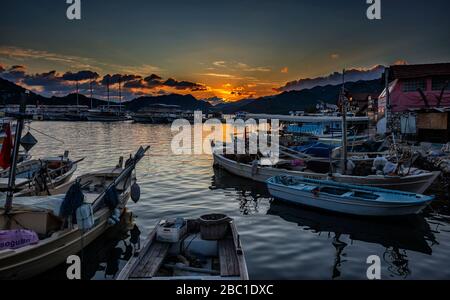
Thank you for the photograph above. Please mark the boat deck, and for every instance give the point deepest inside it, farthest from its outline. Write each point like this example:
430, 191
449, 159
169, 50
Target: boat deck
151, 261
229, 265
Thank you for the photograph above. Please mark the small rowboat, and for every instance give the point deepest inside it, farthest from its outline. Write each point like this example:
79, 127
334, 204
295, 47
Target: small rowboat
52, 172
345, 198
184, 253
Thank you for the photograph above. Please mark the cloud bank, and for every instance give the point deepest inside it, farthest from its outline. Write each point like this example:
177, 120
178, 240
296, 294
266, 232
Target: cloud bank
335, 78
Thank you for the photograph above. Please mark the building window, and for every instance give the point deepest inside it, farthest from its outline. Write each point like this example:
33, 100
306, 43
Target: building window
439, 82
412, 85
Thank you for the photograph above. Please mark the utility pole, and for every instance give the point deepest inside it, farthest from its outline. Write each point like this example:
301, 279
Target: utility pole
344, 124
20, 116
387, 112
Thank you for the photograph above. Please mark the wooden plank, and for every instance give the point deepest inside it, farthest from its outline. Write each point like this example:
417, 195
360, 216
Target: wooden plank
152, 260
229, 265
432, 121
239, 252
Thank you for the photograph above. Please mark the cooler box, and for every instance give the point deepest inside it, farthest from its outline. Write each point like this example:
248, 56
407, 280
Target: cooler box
171, 231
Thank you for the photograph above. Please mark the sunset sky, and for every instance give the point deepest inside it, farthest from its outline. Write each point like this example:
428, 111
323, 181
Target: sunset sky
224, 49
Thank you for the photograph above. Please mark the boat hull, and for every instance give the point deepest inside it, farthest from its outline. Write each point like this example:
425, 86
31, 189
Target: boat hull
414, 184
346, 206
33, 260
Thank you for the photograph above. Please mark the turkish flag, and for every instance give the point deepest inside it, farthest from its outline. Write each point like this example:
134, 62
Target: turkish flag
5, 154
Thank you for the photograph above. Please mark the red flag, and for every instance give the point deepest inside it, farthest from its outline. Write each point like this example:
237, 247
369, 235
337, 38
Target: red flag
5, 154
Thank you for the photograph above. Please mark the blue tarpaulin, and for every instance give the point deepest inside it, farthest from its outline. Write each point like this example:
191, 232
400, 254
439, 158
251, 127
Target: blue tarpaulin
315, 149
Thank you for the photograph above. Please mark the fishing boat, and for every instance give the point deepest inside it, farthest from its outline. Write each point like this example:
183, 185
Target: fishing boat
346, 198
61, 237
182, 249
48, 171
415, 182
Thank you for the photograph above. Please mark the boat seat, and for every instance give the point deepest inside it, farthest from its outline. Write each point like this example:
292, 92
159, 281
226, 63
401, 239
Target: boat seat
229, 265
152, 261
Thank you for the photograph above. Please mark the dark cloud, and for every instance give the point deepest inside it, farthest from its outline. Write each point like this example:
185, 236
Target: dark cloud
135, 84
152, 77
53, 83
119, 78
335, 78
154, 81
43, 79
14, 73
81, 75
183, 85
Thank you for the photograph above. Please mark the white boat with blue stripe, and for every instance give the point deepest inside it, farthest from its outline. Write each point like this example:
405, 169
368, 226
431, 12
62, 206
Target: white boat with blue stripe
345, 198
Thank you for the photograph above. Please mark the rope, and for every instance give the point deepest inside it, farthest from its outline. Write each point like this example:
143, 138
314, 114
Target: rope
43, 133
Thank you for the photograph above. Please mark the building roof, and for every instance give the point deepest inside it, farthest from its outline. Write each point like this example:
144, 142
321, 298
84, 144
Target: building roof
305, 119
417, 71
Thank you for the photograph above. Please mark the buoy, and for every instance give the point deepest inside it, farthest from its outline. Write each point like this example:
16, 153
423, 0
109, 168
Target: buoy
135, 192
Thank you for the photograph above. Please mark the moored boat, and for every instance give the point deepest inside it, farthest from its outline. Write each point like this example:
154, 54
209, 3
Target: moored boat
48, 171
182, 249
415, 183
60, 237
345, 198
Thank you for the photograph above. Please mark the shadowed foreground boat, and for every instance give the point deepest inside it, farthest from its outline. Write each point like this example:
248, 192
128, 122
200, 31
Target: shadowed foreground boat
60, 237
191, 257
344, 198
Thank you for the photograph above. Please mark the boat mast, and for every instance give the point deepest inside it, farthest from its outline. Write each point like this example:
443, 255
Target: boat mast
90, 88
20, 116
344, 124
78, 105
107, 90
120, 95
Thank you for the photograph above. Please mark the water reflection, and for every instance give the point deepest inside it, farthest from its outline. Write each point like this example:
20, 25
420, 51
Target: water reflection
248, 193
396, 235
104, 258
280, 241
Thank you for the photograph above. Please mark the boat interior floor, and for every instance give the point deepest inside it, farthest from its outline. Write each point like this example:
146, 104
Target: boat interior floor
191, 257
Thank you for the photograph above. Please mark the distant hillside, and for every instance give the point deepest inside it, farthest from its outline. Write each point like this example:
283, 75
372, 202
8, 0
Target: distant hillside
186, 102
307, 99
277, 104
231, 107
10, 94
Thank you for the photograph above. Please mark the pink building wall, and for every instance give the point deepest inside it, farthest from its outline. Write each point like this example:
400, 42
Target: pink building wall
403, 101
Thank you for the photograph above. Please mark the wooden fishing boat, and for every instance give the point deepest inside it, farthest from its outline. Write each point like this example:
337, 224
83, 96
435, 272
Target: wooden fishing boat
345, 198
189, 257
59, 238
415, 183
54, 170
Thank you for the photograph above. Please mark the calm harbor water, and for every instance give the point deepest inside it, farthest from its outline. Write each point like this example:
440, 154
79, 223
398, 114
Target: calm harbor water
280, 241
